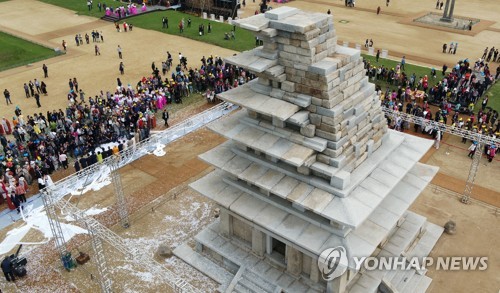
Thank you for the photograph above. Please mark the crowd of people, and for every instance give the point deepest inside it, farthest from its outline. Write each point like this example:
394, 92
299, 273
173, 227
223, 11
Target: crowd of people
459, 89
465, 84
97, 37
491, 55
91, 129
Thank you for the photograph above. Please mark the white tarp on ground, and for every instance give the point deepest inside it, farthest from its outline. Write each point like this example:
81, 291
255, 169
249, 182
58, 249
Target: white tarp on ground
97, 177
36, 219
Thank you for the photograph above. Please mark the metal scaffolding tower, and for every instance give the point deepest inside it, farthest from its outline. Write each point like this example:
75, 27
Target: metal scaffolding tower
474, 136
120, 196
55, 225
99, 231
100, 259
469, 184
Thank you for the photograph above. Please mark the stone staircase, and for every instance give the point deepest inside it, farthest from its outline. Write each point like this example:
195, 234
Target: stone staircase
412, 236
205, 265
247, 281
251, 273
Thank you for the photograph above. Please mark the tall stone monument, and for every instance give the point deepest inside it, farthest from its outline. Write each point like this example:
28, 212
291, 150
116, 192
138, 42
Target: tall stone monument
309, 165
448, 11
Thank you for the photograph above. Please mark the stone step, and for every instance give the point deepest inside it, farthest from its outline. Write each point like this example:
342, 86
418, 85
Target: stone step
252, 285
397, 148
316, 143
300, 118
367, 283
209, 238
360, 289
245, 97
408, 284
422, 285
234, 282
250, 60
424, 245
389, 275
204, 265
404, 236
427, 241
275, 71
297, 287
401, 278
241, 289
252, 280
324, 169
260, 88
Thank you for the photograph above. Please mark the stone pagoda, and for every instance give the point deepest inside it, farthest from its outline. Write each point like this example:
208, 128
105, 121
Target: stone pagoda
309, 165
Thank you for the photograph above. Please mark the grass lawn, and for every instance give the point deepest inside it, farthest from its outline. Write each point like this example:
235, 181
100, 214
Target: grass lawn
419, 71
244, 39
494, 100
186, 101
17, 52
80, 6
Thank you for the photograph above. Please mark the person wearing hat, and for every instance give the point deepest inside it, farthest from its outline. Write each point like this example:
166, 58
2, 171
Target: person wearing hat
472, 149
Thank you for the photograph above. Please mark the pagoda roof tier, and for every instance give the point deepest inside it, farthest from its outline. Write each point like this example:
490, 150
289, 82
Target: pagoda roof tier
245, 97
309, 193
307, 233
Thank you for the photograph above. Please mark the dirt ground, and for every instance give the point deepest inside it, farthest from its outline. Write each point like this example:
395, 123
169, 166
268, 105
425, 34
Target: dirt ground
390, 31
477, 234
454, 170
94, 73
163, 211
150, 183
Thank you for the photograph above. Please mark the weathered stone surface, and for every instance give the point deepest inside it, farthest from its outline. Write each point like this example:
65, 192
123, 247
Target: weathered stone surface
322, 161
309, 130
255, 24
281, 13
341, 179
335, 111
450, 227
315, 119
164, 251
325, 66
288, 86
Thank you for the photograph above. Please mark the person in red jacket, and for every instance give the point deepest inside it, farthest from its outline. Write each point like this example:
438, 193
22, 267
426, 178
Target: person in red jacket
20, 192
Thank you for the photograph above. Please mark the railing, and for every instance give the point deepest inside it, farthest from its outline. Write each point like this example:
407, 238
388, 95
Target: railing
100, 171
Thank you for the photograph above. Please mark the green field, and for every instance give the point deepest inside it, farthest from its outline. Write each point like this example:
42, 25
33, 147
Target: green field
494, 92
152, 21
16, 52
80, 6
494, 98
244, 39
419, 71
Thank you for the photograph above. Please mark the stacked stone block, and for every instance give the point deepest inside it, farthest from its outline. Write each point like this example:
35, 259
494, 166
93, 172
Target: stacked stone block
308, 163
328, 81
